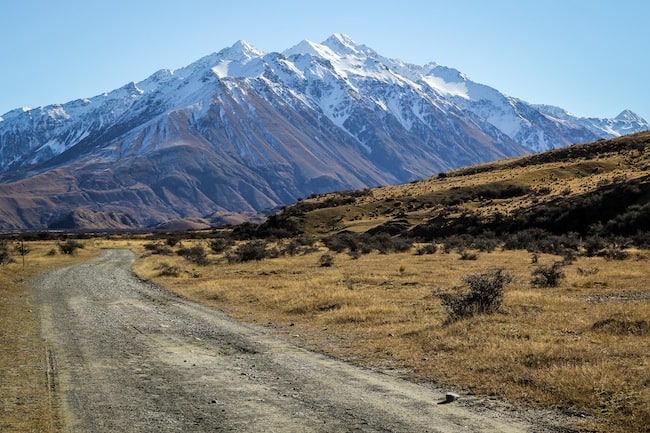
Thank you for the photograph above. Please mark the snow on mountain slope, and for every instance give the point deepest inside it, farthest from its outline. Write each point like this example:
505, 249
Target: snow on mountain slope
241, 130
625, 123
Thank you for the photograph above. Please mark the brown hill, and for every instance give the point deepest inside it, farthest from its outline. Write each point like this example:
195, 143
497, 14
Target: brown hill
600, 188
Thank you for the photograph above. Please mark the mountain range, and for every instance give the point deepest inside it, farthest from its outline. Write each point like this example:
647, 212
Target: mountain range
241, 132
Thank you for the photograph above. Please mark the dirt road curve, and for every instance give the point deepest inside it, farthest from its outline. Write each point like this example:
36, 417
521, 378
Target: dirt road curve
128, 357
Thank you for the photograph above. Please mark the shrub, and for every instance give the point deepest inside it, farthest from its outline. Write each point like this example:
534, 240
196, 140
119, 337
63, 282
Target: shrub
158, 248
70, 246
593, 244
365, 243
622, 326
172, 240
614, 252
427, 249
195, 254
548, 276
485, 295
466, 255
167, 270
4, 254
326, 260
246, 252
385, 243
346, 241
587, 271
220, 245
21, 249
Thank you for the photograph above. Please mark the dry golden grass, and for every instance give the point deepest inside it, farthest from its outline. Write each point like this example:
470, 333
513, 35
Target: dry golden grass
565, 178
583, 347
26, 404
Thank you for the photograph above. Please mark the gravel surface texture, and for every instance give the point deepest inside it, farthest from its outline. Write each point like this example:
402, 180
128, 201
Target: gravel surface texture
125, 356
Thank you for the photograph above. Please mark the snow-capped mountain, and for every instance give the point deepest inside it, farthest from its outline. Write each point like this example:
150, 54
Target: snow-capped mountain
241, 130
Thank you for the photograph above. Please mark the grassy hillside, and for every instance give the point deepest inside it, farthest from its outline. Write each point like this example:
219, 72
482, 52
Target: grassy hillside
596, 189
523, 280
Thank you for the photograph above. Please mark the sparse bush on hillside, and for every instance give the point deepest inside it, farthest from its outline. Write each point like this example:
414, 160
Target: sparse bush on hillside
385, 243
593, 244
220, 245
326, 260
249, 251
172, 239
300, 245
167, 270
485, 295
548, 276
70, 246
195, 254
537, 240
365, 243
587, 271
485, 243
158, 248
622, 326
277, 226
4, 254
21, 249
614, 252
343, 241
427, 249
467, 255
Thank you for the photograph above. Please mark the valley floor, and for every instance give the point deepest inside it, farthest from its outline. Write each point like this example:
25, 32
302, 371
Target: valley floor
582, 348
572, 358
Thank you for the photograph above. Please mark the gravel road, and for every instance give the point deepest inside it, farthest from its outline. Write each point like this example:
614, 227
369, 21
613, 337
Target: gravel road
126, 356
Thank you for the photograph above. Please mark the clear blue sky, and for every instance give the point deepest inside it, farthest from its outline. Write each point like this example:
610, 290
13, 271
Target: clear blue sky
591, 57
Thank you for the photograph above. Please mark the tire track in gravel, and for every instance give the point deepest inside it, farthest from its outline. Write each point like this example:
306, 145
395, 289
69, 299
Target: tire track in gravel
133, 358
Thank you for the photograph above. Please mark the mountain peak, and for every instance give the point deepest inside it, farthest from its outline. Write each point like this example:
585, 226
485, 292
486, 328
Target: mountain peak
241, 51
630, 116
305, 47
342, 44
14, 113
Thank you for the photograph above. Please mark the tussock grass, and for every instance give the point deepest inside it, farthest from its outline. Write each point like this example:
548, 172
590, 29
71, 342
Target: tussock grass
26, 404
581, 347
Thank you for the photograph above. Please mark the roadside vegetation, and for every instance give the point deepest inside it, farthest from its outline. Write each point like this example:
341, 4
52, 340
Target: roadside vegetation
523, 280
26, 403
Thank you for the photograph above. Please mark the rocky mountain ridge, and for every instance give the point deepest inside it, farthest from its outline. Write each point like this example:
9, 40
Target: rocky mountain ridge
242, 131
